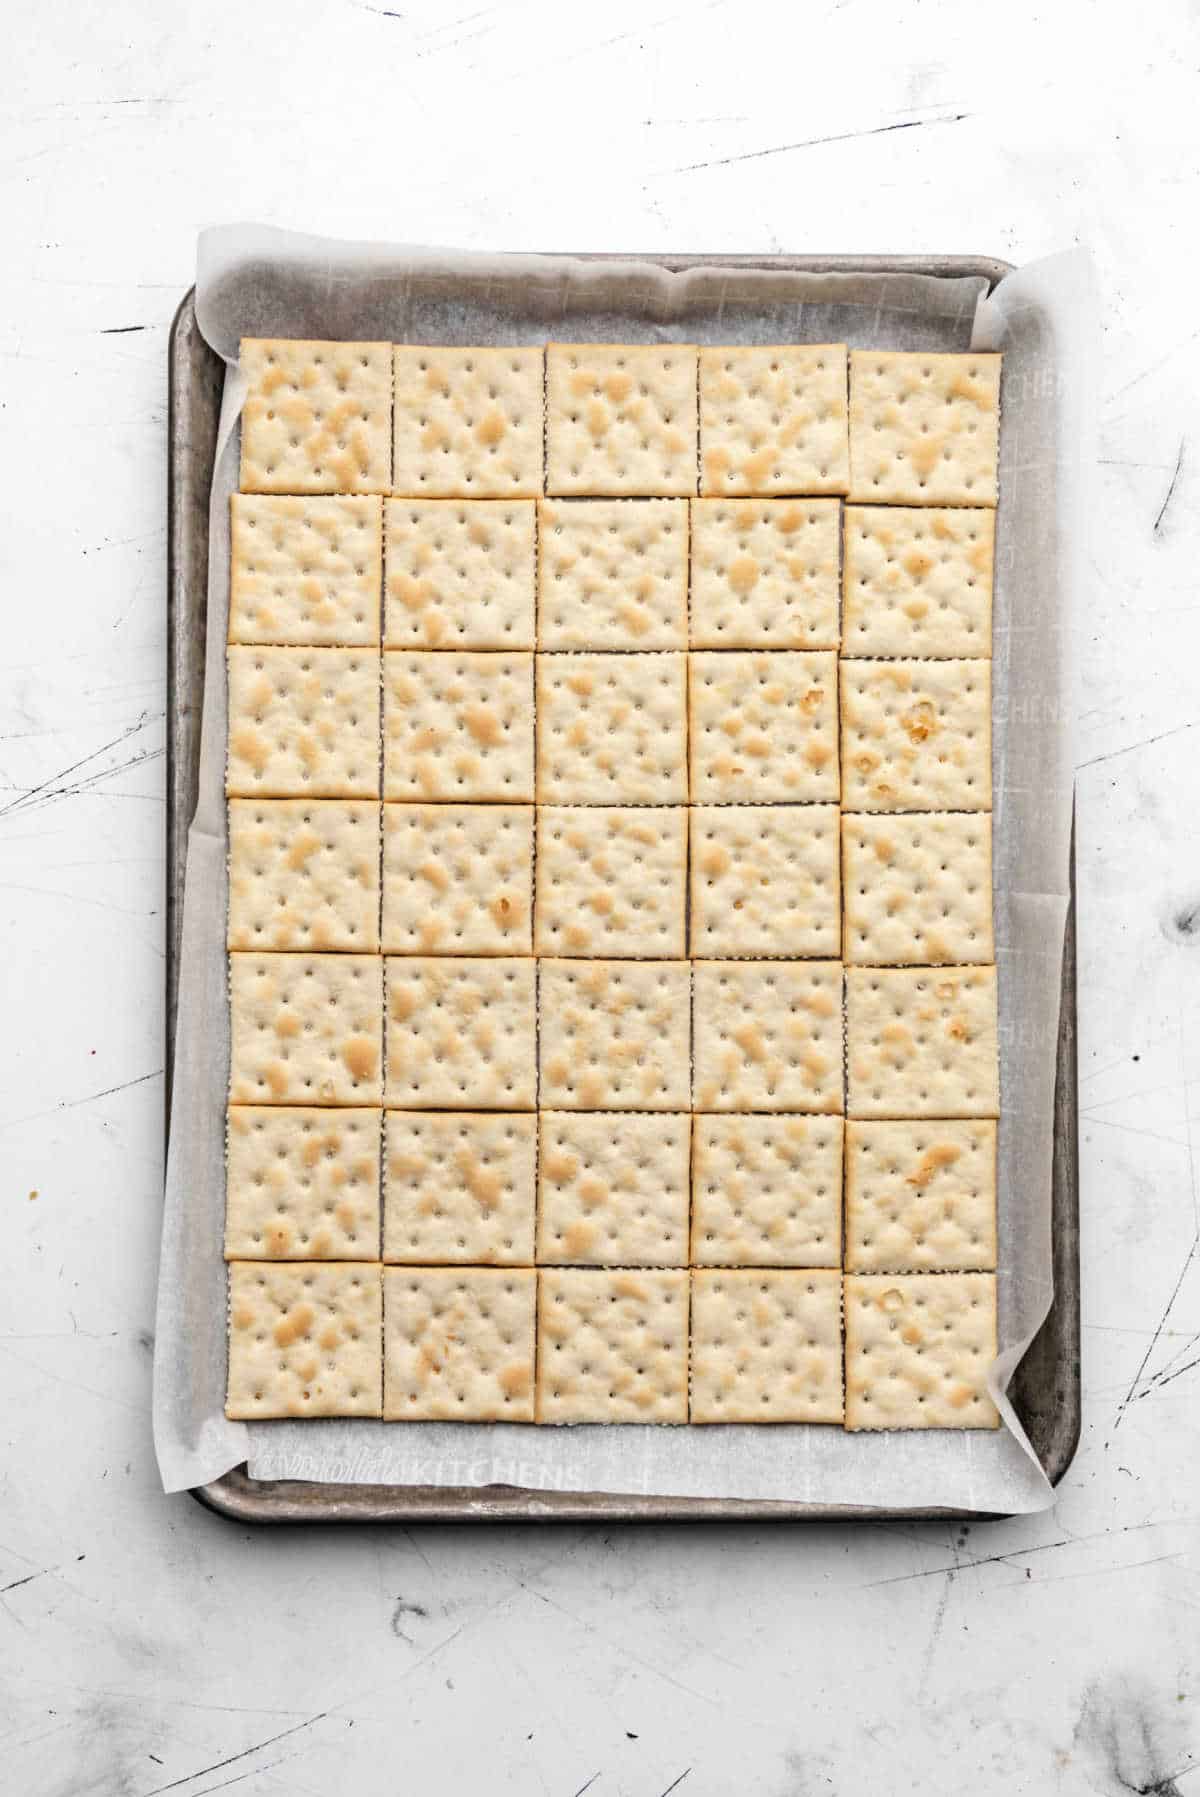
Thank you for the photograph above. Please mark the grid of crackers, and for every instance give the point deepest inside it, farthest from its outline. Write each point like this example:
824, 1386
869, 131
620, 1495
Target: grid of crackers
610, 932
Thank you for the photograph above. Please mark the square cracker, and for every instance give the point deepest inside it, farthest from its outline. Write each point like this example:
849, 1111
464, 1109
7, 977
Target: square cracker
305, 570
920, 1197
621, 418
460, 573
317, 417
303, 723
611, 880
924, 428
918, 1348
765, 881
612, 1346
612, 573
766, 1347
918, 887
768, 1036
301, 1183
613, 1189
460, 1034
773, 420
304, 874
916, 735
457, 725
459, 1186
612, 729
765, 573
468, 422
766, 1191
918, 580
613, 1035
458, 1344
763, 727
304, 1340
305, 1029
921, 1042
457, 879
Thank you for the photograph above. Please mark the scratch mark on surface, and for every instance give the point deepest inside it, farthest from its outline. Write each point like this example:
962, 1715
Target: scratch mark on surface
1153, 368
122, 330
1107, 1572
1145, 743
591, 1629
219, 1765
422, 1556
587, 1787
1162, 510
1165, 1378
1043, 1547
809, 143
71, 1104
1162, 1321
675, 1786
34, 792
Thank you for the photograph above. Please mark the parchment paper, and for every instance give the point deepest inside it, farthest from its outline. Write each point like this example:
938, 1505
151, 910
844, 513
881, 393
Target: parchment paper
259, 282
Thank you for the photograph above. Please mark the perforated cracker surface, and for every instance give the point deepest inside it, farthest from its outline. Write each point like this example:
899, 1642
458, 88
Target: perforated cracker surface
302, 1183
460, 573
457, 879
317, 417
459, 1186
916, 735
765, 573
612, 1346
612, 573
920, 1197
620, 418
613, 1189
773, 420
924, 428
468, 422
613, 1035
460, 1033
767, 1036
458, 1344
766, 1347
305, 571
763, 727
611, 880
612, 729
918, 887
457, 725
918, 1348
765, 880
918, 581
304, 874
921, 1042
766, 1191
305, 1029
304, 1340
303, 723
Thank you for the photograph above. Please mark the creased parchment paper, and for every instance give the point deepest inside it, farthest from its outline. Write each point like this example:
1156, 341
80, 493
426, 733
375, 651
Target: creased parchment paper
258, 282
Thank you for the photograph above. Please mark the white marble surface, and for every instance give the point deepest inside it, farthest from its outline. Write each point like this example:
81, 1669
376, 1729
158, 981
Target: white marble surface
146, 1646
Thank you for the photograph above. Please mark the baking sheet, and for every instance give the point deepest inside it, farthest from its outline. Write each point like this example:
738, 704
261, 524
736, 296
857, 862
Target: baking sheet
1043, 317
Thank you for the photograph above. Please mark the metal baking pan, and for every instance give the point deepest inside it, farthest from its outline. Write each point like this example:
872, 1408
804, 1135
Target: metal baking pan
1045, 1389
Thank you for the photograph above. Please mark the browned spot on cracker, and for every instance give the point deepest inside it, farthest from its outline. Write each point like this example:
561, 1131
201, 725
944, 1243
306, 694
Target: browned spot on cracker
295, 1324
941, 1154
